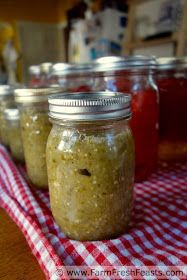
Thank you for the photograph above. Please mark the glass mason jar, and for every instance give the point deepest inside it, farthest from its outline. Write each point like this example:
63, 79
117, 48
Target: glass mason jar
6, 101
90, 163
172, 84
34, 76
35, 128
134, 74
73, 77
12, 118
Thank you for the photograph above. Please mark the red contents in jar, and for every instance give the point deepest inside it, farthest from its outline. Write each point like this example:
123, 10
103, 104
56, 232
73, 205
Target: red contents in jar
144, 125
173, 117
35, 82
83, 88
173, 108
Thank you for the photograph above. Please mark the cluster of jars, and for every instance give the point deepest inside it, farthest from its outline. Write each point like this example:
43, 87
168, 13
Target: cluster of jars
84, 144
158, 88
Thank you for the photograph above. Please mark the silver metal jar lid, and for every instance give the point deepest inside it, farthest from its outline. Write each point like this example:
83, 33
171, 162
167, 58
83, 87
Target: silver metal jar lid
6, 90
12, 114
92, 106
109, 63
34, 70
29, 95
168, 63
46, 67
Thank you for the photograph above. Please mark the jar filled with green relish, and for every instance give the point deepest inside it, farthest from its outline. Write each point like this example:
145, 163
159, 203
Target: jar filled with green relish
35, 128
6, 101
12, 118
90, 164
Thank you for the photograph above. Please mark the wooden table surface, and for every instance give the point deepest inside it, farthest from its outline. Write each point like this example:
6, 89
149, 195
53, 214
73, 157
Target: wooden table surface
16, 259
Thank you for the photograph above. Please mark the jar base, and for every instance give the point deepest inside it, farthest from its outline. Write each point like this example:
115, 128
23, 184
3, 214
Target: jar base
99, 238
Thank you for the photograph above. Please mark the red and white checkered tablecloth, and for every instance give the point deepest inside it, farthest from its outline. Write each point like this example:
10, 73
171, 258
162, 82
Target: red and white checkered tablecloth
157, 236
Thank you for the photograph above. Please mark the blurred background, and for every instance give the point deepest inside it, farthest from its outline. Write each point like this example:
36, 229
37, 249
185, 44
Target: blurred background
32, 32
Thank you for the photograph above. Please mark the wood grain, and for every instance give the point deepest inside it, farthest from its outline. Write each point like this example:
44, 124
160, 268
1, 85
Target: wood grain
16, 259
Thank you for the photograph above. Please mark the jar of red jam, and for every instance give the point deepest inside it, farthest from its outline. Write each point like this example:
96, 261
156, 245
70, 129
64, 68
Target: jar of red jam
34, 76
135, 74
172, 84
74, 77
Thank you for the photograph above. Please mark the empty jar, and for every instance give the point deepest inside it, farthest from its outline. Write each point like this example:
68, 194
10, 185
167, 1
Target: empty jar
35, 128
12, 117
90, 163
